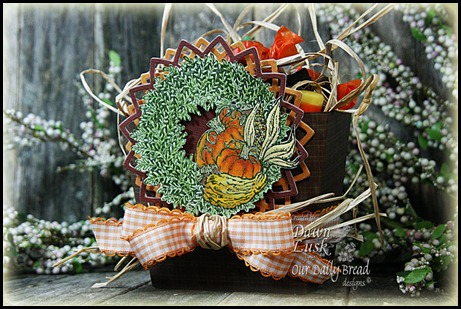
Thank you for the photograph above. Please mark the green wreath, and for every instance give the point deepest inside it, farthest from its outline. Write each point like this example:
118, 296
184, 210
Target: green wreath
229, 89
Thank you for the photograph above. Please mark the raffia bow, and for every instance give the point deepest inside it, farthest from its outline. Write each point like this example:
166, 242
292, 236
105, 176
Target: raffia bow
263, 241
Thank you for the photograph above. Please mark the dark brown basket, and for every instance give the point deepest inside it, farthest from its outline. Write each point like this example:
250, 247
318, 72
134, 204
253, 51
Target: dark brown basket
327, 151
219, 270
222, 270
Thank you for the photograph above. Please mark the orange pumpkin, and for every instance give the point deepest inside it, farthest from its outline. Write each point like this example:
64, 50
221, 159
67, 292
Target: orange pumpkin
212, 143
230, 119
233, 162
204, 148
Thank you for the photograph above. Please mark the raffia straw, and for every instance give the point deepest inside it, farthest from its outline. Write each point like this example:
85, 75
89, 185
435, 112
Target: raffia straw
126, 269
300, 23
356, 220
242, 15
368, 86
90, 92
362, 108
119, 264
124, 95
324, 198
166, 14
119, 99
292, 60
267, 25
80, 251
347, 32
294, 207
334, 83
359, 171
355, 212
119, 137
252, 32
341, 209
298, 59
332, 104
313, 17
233, 34
350, 29
267, 22
307, 82
211, 32
350, 96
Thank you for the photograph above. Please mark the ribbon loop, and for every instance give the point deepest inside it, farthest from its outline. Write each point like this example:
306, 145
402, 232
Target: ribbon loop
264, 241
211, 232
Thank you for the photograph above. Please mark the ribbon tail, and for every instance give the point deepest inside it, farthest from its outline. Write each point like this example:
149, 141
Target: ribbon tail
311, 267
107, 234
275, 266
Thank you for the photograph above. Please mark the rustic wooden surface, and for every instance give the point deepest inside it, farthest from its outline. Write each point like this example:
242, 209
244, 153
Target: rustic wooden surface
135, 289
46, 46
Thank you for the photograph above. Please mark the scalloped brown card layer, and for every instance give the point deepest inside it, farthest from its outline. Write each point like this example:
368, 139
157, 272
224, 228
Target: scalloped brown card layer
211, 131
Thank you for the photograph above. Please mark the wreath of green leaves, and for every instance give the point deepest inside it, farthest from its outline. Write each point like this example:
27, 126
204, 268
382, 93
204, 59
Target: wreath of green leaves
160, 136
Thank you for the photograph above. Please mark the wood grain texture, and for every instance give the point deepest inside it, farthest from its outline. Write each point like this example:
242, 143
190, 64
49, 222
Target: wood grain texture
135, 289
48, 53
46, 46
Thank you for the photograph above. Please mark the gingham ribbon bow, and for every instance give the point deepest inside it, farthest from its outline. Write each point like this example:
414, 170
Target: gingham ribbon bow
264, 241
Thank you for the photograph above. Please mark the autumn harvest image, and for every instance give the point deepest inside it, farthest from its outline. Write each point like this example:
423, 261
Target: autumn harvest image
230, 154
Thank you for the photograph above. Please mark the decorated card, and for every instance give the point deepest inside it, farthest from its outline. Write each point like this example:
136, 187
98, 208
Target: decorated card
216, 136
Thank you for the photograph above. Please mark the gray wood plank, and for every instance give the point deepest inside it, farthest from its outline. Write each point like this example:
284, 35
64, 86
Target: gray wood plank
10, 90
147, 295
20, 288
17, 283
46, 52
135, 289
72, 289
382, 290
315, 295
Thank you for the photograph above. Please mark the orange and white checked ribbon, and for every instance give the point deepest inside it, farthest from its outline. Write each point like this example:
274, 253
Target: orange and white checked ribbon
264, 241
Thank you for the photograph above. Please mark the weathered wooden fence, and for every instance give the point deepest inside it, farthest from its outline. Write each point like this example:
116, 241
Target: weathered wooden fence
46, 46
